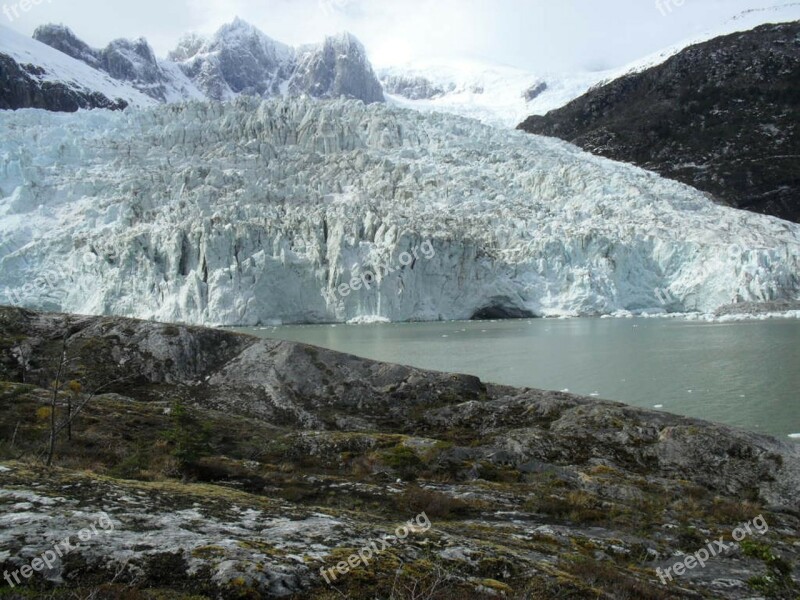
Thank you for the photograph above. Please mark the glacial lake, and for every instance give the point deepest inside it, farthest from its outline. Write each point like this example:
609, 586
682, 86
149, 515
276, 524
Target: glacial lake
745, 374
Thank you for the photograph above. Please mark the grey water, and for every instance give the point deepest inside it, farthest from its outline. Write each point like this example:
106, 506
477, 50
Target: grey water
745, 374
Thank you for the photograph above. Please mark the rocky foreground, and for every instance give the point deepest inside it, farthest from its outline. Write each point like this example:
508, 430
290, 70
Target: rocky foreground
218, 465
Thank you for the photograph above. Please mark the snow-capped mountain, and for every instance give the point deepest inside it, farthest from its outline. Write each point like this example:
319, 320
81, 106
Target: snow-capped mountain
337, 68
259, 211
238, 59
131, 61
505, 96
35, 75
494, 94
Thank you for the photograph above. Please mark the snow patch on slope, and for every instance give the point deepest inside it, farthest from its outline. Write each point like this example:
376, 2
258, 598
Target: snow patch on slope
493, 94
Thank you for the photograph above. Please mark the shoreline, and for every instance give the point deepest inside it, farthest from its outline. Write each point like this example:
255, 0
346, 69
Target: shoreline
715, 317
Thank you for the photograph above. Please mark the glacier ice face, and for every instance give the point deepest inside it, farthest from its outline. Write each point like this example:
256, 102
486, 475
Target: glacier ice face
256, 212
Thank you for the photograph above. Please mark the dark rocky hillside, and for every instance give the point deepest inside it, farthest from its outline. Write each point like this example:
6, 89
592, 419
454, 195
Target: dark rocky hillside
224, 466
722, 116
22, 87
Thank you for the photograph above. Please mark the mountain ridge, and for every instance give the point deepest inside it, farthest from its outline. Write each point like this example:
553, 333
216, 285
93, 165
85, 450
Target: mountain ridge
238, 59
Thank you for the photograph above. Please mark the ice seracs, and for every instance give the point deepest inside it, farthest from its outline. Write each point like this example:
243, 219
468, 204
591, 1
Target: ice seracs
254, 212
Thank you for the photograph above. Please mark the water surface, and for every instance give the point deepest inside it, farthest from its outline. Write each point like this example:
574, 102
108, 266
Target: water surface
745, 374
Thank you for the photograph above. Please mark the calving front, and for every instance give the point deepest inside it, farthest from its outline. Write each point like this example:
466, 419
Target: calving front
240, 214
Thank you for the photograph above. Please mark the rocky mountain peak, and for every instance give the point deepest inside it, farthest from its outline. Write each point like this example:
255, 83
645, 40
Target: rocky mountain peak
239, 59
188, 46
63, 39
131, 60
338, 67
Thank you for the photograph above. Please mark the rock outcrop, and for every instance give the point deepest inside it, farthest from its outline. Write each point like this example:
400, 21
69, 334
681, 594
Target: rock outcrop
247, 466
34, 75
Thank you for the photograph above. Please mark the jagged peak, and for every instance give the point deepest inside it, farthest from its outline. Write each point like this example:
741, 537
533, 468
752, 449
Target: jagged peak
238, 24
344, 42
47, 32
344, 38
240, 28
54, 27
62, 38
189, 45
139, 45
240, 31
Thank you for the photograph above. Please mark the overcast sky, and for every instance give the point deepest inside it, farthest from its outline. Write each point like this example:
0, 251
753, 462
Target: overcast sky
532, 34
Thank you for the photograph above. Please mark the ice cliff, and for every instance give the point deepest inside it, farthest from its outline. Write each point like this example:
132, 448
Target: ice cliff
255, 211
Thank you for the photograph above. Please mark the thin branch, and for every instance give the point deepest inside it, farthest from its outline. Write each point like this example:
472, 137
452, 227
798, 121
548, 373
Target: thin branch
54, 404
77, 411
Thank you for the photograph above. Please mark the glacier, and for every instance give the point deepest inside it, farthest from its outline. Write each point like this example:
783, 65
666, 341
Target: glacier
256, 212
